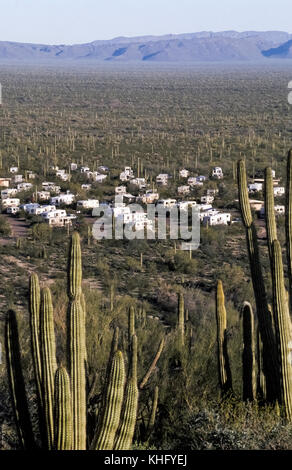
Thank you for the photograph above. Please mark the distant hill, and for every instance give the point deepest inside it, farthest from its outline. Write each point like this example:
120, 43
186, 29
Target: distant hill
204, 46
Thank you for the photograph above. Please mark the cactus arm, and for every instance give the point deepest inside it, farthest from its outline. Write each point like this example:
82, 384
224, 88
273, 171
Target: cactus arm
62, 411
282, 327
129, 415
248, 354
49, 363
153, 365
16, 383
112, 405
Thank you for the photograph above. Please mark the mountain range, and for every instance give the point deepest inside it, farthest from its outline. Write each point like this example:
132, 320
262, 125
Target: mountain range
203, 46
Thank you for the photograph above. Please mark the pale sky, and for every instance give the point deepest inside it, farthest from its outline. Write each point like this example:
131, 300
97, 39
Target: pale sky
81, 21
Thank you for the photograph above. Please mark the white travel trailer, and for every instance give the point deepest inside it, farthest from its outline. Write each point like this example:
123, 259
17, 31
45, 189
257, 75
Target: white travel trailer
217, 219
10, 202
217, 172
88, 204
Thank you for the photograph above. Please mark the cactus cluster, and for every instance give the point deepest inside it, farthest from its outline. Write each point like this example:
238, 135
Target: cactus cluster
274, 324
61, 391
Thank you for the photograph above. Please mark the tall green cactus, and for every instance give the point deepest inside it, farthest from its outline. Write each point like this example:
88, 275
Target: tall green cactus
74, 267
282, 327
129, 414
34, 310
288, 222
77, 343
76, 361
16, 383
112, 405
248, 354
270, 364
151, 422
270, 210
49, 363
62, 411
223, 360
181, 319
63, 396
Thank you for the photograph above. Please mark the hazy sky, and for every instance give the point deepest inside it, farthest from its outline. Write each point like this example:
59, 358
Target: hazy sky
79, 21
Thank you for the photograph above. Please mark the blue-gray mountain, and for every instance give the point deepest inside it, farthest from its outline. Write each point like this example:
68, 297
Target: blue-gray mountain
192, 47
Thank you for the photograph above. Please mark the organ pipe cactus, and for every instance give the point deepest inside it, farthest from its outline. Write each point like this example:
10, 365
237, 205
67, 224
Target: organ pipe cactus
223, 360
270, 364
62, 395
248, 354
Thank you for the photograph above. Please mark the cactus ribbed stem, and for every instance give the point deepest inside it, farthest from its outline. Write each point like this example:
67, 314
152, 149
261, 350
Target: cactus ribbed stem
74, 267
270, 364
288, 222
131, 324
282, 327
62, 411
181, 319
16, 383
129, 415
153, 412
112, 405
49, 363
270, 210
153, 365
34, 310
223, 360
76, 361
248, 354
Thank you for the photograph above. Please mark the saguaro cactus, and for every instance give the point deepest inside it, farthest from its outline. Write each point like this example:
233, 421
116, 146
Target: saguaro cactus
248, 354
62, 411
288, 222
49, 363
16, 383
112, 405
77, 343
34, 310
223, 360
282, 327
270, 210
126, 432
270, 364
181, 319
